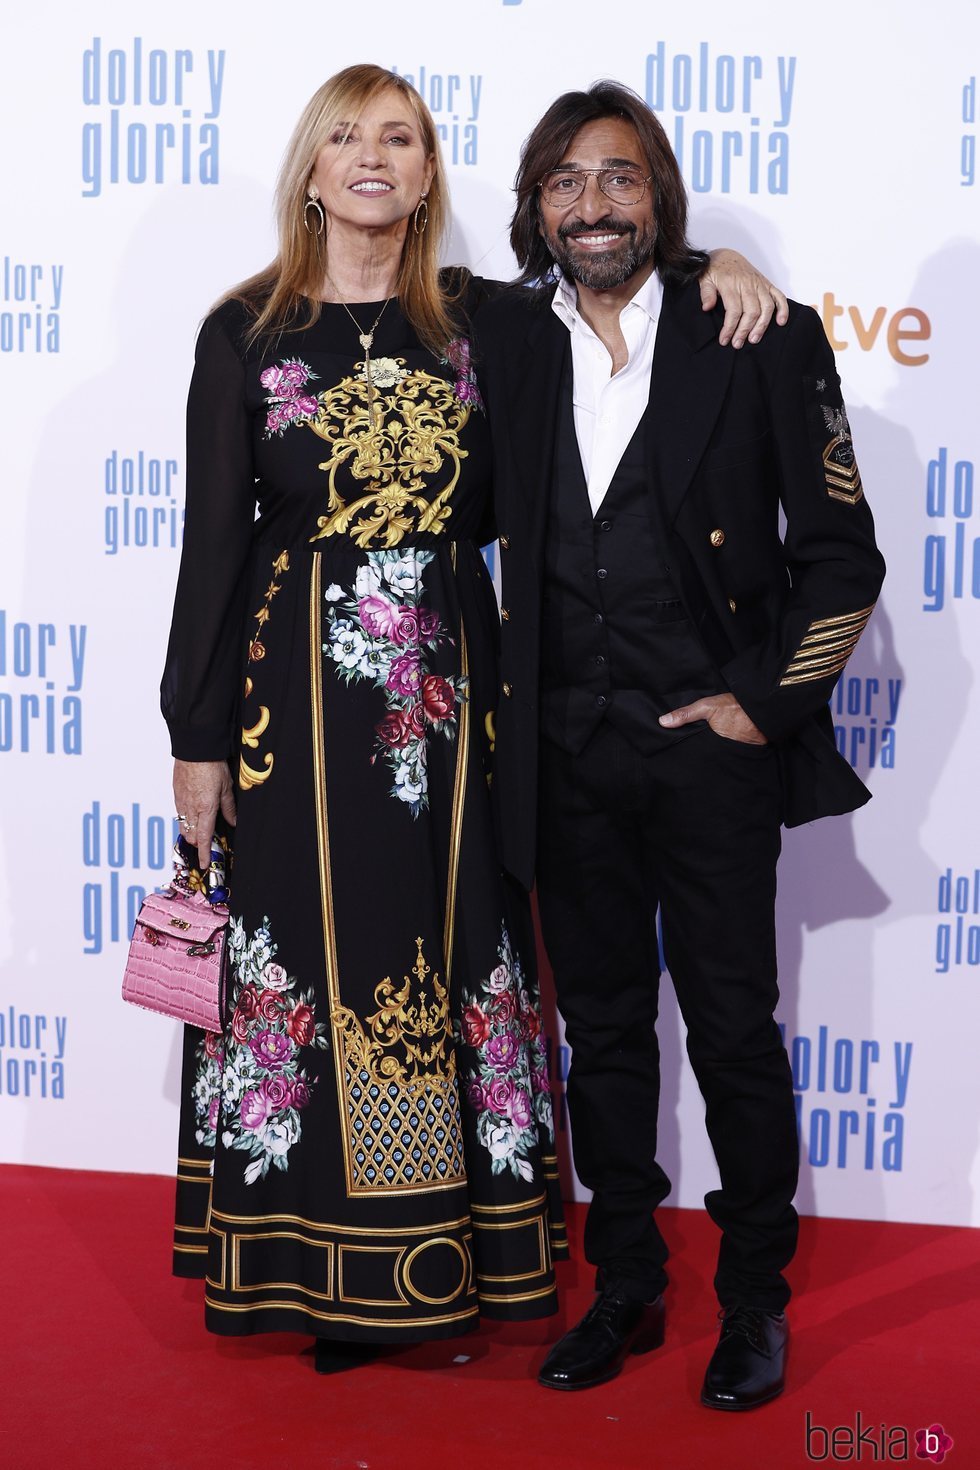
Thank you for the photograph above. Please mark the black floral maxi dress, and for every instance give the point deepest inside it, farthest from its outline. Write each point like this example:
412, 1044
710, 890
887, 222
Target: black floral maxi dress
377, 1113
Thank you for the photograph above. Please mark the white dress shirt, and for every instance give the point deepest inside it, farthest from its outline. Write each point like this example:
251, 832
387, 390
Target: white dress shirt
609, 406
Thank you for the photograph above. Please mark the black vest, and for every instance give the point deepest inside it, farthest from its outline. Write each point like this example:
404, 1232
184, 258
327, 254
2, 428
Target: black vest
616, 642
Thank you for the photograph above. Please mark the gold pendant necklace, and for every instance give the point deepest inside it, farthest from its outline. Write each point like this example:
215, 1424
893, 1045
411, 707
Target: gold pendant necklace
366, 339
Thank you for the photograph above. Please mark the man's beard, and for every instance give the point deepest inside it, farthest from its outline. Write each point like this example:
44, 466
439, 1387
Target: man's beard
609, 268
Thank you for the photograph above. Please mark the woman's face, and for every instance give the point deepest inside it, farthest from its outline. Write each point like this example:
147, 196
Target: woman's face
372, 171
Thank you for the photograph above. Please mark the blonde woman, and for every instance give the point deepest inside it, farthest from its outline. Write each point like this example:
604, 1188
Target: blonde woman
367, 1152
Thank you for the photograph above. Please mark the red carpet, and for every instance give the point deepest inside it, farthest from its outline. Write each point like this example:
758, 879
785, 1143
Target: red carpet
107, 1364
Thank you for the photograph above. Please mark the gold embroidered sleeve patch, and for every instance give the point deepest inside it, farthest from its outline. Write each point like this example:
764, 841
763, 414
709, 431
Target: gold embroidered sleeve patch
827, 645
841, 474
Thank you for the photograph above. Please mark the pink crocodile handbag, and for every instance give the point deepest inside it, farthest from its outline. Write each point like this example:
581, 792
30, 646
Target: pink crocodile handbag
176, 957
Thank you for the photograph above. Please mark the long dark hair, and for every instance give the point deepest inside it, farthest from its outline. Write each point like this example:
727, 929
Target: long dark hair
674, 257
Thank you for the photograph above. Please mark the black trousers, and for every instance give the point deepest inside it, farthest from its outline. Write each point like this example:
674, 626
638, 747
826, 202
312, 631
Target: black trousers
693, 830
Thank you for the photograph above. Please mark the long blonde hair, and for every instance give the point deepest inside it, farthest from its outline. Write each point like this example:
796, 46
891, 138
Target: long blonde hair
284, 296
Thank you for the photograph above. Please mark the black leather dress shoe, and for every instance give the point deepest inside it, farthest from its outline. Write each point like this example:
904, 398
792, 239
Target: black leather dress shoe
749, 1364
596, 1349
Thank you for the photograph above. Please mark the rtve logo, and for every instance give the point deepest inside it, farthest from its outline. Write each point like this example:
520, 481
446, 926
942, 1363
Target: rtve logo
850, 325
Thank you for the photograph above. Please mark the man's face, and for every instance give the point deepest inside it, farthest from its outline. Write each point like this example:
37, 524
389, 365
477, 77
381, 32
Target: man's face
595, 240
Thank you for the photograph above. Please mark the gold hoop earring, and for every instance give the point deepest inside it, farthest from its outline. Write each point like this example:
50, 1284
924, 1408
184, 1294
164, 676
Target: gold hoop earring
313, 202
421, 209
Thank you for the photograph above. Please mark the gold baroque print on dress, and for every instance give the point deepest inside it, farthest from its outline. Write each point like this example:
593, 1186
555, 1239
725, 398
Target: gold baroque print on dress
394, 433
400, 1079
410, 1036
249, 776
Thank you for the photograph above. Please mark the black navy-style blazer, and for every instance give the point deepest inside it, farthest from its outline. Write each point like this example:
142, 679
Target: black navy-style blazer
731, 438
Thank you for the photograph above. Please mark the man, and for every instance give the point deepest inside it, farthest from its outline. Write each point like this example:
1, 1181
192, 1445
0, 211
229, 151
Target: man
667, 660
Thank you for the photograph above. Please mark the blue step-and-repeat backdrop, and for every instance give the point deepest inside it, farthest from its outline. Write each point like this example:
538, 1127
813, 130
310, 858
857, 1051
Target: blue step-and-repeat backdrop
840, 153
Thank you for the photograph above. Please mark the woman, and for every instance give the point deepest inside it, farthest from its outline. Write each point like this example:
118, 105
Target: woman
378, 1111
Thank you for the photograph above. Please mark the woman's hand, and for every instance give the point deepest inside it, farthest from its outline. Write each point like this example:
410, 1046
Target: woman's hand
201, 789
748, 298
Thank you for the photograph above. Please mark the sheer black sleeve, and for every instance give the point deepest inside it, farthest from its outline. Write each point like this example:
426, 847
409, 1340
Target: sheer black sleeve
200, 692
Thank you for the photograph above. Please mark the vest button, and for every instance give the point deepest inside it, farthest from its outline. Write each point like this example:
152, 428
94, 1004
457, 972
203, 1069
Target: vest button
505, 543
717, 538
508, 689
605, 525
505, 615
597, 619
602, 574
732, 604
601, 701
600, 658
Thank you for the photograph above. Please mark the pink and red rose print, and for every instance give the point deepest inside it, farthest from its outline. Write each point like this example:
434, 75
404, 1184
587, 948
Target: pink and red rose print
465, 386
476, 1025
509, 1088
270, 1049
438, 697
285, 400
394, 729
300, 1025
405, 675
381, 631
250, 1087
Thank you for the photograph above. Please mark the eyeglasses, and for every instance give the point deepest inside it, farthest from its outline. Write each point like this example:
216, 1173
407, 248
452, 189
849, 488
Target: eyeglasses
564, 185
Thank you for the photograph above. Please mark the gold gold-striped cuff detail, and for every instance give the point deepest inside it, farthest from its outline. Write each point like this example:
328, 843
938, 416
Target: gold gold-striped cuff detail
826, 646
